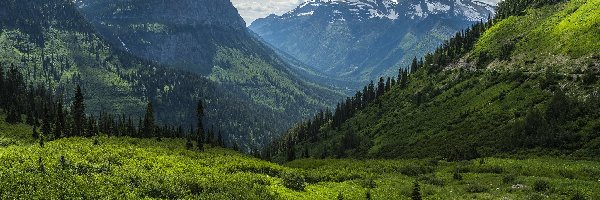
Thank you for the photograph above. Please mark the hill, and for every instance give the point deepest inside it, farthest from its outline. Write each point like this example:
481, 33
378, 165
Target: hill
361, 40
526, 84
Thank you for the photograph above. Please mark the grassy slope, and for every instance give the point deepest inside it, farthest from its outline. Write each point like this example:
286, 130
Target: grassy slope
146, 168
462, 109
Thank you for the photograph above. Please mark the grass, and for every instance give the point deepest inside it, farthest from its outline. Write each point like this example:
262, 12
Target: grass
123, 167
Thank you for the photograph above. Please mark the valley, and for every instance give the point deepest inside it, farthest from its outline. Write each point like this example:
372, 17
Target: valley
132, 99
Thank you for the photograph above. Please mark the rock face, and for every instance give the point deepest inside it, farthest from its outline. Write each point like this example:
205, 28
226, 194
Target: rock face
363, 39
182, 33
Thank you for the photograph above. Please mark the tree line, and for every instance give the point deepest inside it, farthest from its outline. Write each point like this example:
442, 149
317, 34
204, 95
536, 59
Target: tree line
448, 52
51, 119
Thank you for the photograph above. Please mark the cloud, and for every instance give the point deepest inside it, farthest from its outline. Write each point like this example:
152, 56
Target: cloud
251, 10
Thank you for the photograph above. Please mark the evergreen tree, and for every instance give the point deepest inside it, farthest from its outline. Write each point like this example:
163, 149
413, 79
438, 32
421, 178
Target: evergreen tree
380, 87
291, 153
34, 132
416, 193
78, 113
2, 87
199, 123
60, 125
148, 126
221, 142
210, 139
46, 129
414, 66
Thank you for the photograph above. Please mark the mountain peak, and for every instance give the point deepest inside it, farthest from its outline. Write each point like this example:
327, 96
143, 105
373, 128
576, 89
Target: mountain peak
348, 10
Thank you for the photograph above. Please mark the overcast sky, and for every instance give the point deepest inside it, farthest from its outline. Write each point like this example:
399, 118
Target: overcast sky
254, 9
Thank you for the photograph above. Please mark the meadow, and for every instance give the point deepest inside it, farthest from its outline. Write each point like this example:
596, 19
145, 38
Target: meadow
129, 168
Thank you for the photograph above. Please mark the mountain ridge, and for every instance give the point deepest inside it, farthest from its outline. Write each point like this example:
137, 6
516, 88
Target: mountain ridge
363, 40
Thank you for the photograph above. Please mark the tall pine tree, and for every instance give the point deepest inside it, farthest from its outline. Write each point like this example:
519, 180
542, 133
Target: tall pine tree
78, 113
200, 124
148, 127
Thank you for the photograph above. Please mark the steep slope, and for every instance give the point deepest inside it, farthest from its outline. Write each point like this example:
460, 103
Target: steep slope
53, 45
362, 40
207, 37
528, 85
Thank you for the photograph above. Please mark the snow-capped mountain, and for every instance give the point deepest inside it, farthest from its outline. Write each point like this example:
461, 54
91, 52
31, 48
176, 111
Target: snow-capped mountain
394, 9
364, 39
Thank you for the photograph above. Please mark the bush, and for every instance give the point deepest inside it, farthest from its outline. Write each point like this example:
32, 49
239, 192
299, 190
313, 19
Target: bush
509, 179
490, 169
476, 188
416, 193
415, 170
457, 176
541, 185
293, 181
432, 180
578, 196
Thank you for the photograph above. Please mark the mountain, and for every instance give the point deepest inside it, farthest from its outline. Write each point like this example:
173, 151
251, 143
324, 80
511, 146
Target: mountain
524, 84
55, 46
210, 38
361, 40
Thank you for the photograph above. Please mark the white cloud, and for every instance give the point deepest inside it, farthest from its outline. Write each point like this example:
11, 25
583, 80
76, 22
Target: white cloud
251, 10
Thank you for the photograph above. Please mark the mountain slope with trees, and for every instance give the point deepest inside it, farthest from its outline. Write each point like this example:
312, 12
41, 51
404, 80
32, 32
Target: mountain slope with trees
361, 40
207, 37
518, 85
54, 46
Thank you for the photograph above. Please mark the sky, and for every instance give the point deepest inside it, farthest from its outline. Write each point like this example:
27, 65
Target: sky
251, 10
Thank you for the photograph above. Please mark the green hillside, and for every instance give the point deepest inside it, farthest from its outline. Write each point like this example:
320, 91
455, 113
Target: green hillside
123, 167
54, 46
527, 85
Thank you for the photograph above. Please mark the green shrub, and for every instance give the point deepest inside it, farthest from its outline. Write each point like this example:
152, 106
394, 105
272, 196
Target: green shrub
578, 196
509, 179
490, 169
476, 188
541, 185
416, 193
415, 170
432, 180
293, 181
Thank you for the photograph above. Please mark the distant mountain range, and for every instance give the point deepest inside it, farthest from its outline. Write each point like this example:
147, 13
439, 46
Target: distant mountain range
360, 40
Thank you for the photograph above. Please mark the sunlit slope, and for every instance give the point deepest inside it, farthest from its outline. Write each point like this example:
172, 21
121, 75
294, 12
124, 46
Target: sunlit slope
528, 87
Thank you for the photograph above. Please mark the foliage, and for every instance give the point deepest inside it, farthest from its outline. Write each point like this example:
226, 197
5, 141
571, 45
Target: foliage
459, 106
541, 185
293, 181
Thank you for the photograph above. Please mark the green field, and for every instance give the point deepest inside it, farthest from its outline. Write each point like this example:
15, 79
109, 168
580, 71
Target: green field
123, 167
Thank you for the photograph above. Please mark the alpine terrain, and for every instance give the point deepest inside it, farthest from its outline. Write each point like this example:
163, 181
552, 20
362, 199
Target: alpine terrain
361, 40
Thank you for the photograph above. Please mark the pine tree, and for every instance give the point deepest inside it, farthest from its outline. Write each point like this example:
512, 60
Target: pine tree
78, 113
221, 142
210, 139
2, 87
34, 132
148, 127
46, 129
380, 87
60, 125
416, 193
200, 124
